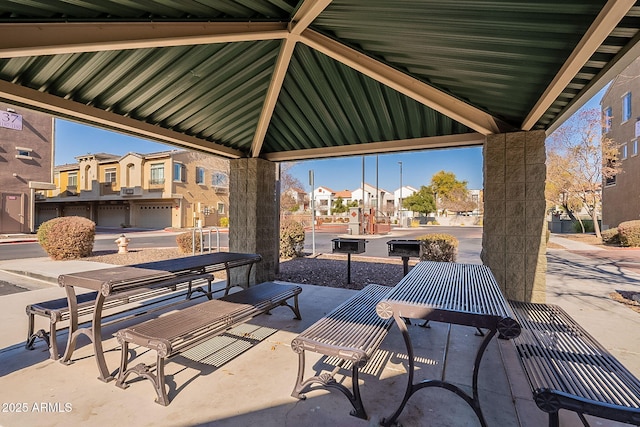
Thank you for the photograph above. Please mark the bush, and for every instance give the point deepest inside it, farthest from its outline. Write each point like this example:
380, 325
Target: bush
611, 237
67, 237
629, 232
291, 239
224, 222
185, 242
588, 226
438, 247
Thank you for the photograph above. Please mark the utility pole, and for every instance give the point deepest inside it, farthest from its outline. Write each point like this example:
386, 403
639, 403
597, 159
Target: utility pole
400, 204
313, 213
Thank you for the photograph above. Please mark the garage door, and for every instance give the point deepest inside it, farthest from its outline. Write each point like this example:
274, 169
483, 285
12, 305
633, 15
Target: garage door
111, 215
45, 213
81, 210
154, 216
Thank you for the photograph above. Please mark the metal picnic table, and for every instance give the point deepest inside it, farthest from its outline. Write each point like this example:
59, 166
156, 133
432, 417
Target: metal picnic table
462, 294
111, 281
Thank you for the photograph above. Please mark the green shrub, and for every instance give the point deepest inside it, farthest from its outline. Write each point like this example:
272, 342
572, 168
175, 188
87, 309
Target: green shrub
611, 237
67, 237
185, 242
588, 226
224, 222
438, 247
629, 232
291, 239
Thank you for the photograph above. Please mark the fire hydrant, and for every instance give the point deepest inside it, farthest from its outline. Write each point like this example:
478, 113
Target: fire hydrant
123, 243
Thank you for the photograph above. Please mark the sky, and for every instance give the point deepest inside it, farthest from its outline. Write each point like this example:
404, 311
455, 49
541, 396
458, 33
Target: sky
73, 139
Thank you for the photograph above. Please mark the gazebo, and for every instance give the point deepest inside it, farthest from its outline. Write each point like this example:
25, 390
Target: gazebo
266, 81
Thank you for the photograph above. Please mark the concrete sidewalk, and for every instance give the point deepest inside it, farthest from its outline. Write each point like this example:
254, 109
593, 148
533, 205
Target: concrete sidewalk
254, 387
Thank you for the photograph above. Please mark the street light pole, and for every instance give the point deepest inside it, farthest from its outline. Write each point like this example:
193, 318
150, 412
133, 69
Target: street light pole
400, 204
313, 213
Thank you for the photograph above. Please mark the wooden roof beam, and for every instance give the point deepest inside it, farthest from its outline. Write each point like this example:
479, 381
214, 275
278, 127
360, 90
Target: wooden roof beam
605, 22
63, 38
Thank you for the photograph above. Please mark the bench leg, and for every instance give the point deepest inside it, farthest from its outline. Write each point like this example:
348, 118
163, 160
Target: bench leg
143, 370
48, 337
124, 358
52, 342
327, 381
159, 384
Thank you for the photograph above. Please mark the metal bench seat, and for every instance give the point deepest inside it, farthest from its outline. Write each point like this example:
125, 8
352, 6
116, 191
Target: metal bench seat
568, 369
57, 310
178, 331
352, 332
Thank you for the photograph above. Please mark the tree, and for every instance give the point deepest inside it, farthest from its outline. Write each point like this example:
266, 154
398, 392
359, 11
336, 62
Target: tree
579, 159
449, 193
288, 184
339, 206
422, 201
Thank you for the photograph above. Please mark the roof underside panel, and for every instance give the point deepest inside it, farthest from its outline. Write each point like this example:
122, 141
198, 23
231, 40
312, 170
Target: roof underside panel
476, 50
325, 103
213, 92
52, 10
494, 65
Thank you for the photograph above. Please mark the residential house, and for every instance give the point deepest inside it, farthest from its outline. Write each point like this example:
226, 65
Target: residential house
621, 113
383, 202
323, 198
26, 165
166, 189
298, 200
399, 195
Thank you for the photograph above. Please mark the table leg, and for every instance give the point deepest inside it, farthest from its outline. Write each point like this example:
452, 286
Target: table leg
472, 401
72, 301
96, 326
386, 422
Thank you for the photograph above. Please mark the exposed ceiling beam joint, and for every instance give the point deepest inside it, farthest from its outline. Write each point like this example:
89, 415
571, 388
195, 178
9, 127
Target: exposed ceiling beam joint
304, 16
602, 26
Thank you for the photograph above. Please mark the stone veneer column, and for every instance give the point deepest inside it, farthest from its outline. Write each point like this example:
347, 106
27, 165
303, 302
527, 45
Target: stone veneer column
253, 216
514, 235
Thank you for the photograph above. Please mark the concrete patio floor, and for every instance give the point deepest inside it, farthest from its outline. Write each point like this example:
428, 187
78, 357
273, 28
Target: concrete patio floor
245, 378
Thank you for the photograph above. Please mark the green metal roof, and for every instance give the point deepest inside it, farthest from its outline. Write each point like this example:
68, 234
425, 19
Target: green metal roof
284, 80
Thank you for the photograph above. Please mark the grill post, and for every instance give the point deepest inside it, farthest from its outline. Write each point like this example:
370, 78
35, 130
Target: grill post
348, 246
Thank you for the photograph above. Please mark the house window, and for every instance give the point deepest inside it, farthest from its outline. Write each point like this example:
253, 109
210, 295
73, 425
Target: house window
110, 175
219, 179
178, 172
220, 208
157, 173
200, 175
608, 116
23, 153
634, 148
623, 152
72, 179
626, 107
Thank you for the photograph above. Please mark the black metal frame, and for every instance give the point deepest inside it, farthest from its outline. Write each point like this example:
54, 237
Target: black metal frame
348, 246
404, 248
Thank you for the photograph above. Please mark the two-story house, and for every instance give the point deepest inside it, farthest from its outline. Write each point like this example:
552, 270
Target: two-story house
157, 190
26, 165
621, 115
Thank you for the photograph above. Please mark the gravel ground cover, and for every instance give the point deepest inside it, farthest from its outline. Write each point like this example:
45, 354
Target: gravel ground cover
321, 270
